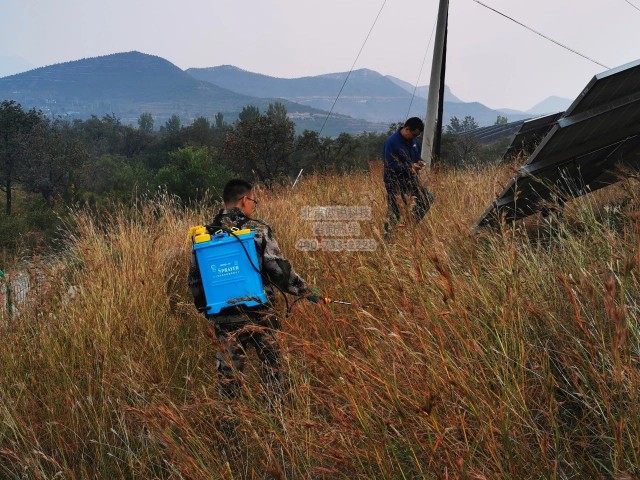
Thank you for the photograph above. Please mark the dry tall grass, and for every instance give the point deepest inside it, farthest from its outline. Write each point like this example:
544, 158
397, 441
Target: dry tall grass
512, 355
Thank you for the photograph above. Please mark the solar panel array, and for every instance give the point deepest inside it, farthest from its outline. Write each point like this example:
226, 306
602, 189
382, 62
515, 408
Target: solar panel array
493, 133
581, 151
531, 134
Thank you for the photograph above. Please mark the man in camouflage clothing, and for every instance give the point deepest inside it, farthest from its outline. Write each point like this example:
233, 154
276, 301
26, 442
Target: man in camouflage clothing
239, 326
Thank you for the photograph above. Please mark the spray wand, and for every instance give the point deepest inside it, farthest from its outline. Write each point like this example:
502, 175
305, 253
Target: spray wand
331, 300
323, 300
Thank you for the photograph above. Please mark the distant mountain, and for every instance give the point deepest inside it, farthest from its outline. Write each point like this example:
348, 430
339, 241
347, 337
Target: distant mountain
127, 84
423, 91
11, 64
510, 112
362, 82
550, 105
366, 94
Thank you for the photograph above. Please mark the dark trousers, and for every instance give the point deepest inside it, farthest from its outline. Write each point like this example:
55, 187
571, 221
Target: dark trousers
406, 187
234, 339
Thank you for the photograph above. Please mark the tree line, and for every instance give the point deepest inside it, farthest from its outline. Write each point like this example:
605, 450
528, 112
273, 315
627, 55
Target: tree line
49, 164
67, 161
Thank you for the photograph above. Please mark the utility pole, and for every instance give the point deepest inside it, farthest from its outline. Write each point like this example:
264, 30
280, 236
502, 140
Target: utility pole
437, 139
432, 132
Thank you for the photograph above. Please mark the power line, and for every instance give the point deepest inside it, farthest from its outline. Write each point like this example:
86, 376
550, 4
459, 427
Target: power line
634, 6
353, 65
543, 35
421, 67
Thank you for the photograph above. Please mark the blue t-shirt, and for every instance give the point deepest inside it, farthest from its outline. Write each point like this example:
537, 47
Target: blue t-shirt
399, 156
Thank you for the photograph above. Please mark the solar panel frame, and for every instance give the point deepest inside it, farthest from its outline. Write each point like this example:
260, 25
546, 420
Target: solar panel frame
579, 154
598, 91
530, 134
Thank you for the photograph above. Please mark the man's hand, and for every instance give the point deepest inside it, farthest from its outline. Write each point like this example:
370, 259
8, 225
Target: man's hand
416, 167
316, 296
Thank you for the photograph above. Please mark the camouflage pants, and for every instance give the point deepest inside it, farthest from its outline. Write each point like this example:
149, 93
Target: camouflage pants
234, 339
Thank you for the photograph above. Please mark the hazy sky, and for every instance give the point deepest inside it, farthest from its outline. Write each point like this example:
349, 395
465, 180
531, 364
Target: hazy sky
490, 59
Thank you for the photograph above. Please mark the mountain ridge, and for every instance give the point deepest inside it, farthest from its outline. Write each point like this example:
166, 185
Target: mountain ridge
129, 83
423, 90
12, 64
552, 104
367, 94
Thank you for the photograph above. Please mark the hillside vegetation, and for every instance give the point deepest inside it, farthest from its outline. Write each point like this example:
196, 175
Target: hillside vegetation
367, 94
129, 84
497, 355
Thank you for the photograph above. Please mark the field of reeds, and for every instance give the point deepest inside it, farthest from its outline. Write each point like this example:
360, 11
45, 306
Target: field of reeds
498, 355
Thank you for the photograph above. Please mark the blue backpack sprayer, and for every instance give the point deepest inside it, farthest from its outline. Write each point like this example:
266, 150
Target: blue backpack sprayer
229, 269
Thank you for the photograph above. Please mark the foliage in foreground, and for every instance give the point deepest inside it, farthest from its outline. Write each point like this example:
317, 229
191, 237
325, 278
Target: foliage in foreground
512, 355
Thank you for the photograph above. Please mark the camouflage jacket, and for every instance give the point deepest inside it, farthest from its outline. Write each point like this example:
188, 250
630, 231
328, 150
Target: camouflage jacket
275, 268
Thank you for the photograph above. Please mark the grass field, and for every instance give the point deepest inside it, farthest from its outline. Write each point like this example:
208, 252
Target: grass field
512, 354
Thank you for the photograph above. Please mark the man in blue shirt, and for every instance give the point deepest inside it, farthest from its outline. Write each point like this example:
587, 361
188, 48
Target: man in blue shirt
402, 162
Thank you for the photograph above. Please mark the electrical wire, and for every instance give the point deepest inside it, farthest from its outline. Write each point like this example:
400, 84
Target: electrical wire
424, 59
543, 35
634, 6
352, 66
